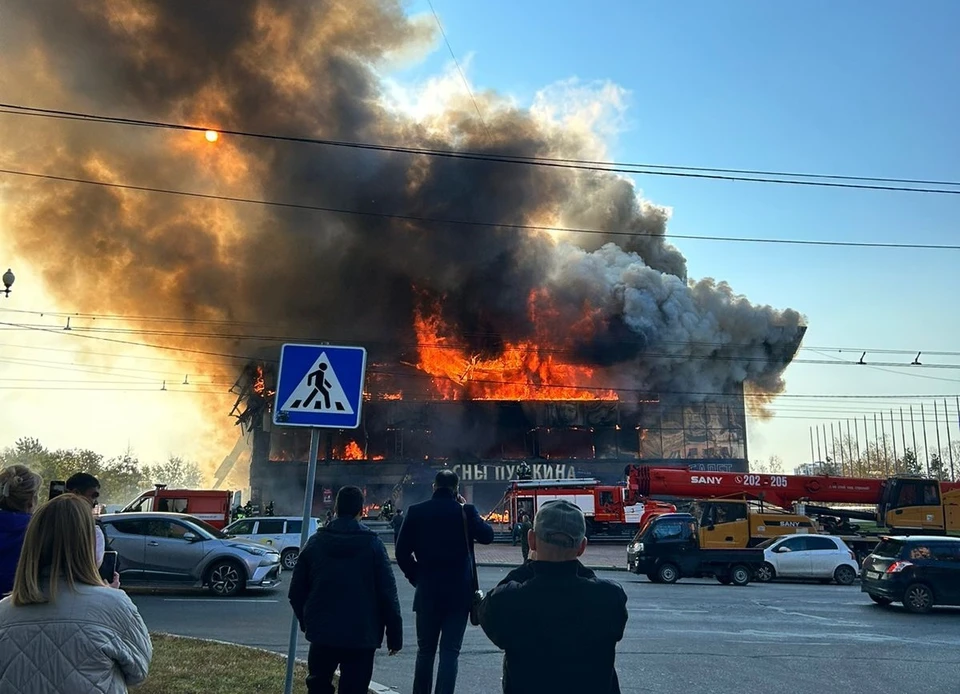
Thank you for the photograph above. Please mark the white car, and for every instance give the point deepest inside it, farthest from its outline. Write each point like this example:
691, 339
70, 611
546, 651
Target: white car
808, 556
279, 532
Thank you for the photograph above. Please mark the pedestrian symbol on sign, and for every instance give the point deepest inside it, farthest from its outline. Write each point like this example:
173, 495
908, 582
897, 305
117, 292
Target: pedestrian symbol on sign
319, 391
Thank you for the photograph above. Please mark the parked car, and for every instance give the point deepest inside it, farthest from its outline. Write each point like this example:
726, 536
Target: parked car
282, 533
918, 571
174, 549
808, 556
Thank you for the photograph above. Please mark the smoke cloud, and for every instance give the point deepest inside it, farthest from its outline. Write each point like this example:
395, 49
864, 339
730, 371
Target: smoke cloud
316, 69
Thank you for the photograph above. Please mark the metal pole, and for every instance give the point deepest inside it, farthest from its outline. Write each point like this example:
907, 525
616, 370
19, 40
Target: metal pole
913, 429
304, 536
903, 435
826, 452
893, 435
926, 446
936, 423
886, 455
819, 455
849, 448
856, 433
833, 444
813, 455
876, 439
866, 446
946, 416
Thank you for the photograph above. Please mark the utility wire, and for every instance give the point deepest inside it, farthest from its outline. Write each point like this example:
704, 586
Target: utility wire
463, 222
817, 180
456, 62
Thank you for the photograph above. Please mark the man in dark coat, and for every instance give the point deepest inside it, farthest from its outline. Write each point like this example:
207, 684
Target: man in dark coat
525, 528
433, 553
558, 623
344, 595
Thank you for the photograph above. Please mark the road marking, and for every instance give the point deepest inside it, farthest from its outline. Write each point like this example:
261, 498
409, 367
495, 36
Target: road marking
245, 600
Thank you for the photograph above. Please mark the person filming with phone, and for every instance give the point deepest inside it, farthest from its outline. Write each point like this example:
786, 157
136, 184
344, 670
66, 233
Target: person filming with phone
85, 485
63, 630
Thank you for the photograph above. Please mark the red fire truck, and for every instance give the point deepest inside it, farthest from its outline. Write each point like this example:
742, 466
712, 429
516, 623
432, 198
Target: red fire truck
609, 509
210, 505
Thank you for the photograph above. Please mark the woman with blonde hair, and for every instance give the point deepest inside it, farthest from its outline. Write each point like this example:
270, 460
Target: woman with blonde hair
63, 630
19, 495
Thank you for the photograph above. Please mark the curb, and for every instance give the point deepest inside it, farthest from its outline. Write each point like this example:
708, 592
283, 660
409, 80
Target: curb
374, 687
495, 565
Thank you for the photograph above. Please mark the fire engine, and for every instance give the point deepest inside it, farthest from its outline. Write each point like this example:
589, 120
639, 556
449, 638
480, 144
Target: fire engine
609, 509
210, 505
903, 503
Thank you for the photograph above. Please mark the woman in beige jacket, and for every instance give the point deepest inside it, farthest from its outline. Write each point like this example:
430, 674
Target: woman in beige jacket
63, 630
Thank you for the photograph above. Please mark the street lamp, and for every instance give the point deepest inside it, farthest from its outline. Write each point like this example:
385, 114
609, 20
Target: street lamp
8, 278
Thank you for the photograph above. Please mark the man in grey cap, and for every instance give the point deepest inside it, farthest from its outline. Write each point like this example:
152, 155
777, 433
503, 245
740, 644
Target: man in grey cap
558, 623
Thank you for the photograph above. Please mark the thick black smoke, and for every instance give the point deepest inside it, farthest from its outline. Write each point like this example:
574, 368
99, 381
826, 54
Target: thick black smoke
293, 67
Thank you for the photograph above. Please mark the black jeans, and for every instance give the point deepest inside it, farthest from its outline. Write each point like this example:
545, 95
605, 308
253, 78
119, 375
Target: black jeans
446, 630
356, 669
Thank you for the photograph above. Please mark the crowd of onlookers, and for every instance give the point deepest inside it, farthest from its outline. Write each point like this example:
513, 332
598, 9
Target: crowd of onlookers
65, 627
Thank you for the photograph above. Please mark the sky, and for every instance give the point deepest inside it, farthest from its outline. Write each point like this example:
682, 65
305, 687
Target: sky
769, 86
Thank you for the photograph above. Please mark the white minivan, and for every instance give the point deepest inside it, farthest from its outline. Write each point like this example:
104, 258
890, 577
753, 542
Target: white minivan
808, 556
280, 532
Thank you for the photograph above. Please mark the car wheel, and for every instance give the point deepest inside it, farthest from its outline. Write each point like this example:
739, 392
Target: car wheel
880, 600
740, 575
917, 598
723, 580
226, 579
844, 575
668, 573
765, 573
289, 559
653, 578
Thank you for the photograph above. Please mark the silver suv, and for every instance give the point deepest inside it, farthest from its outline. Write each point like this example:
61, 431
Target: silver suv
173, 549
281, 533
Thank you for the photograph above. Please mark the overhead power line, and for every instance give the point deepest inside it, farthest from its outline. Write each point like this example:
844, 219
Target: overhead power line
906, 185
464, 222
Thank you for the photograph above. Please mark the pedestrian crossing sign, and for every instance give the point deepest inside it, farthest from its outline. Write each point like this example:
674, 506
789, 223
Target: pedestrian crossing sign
320, 386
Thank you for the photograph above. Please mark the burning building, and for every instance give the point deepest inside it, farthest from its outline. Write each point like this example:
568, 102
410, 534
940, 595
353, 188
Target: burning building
414, 424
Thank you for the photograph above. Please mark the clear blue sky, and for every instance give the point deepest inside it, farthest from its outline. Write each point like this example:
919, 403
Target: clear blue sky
825, 87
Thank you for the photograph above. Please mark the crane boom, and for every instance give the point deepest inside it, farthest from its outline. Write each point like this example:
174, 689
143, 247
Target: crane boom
778, 490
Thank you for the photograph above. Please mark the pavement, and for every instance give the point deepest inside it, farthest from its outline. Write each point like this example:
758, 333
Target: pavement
693, 637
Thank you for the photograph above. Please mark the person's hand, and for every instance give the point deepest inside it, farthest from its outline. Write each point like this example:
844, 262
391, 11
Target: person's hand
532, 556
460, 499
115, 583
394, 652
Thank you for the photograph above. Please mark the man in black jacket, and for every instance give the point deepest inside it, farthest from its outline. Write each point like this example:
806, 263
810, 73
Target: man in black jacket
558, 624
344, 594
433, 553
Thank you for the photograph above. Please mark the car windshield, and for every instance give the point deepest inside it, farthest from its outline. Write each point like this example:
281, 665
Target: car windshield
207, 528
888, 549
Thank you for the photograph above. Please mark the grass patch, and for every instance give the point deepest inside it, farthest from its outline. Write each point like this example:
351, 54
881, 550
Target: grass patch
189, 666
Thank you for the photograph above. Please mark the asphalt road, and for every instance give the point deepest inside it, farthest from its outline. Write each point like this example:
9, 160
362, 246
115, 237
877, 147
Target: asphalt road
693, 637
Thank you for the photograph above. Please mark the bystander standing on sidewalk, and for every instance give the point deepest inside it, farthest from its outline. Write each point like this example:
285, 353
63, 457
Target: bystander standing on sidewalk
345, 596
558, 624
433, 551
19, 495
85, 485
62, 630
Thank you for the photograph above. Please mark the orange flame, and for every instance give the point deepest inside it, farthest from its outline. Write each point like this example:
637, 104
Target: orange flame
371, 510
498, 517
352, 451
260, 384
526, 370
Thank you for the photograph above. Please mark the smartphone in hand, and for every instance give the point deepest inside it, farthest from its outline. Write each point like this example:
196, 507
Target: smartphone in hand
109, 566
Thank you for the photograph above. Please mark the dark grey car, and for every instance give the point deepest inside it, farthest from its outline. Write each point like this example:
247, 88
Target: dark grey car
173, 549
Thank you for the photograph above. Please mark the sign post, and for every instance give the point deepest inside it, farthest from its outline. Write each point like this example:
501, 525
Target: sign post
319, 387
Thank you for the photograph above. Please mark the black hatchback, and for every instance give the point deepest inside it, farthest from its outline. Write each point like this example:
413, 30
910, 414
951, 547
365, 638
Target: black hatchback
919, 571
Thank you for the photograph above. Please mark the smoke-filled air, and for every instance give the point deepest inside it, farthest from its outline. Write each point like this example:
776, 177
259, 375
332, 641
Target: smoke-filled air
399, 276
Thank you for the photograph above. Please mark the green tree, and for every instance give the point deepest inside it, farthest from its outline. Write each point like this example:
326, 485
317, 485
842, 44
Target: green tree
772, 465
175, 472
909, 464
938, 470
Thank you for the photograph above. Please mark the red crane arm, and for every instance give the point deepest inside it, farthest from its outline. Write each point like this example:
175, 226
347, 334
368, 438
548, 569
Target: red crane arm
779, 490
